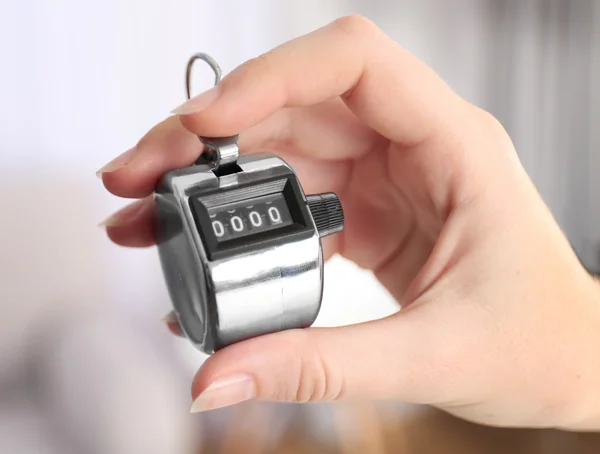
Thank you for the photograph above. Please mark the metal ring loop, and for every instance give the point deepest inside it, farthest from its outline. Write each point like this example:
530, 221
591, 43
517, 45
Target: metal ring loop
210, 61
222, 151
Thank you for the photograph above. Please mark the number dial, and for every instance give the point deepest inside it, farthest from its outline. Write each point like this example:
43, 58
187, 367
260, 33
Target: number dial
248, 217
259, 214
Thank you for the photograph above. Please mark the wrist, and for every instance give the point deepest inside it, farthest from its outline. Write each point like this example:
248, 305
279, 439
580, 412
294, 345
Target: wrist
587, 384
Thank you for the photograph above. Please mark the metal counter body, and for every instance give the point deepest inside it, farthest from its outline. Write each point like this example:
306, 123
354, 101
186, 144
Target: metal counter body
221, 298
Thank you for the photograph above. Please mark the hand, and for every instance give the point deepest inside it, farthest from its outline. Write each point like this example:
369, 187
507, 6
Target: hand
499, 321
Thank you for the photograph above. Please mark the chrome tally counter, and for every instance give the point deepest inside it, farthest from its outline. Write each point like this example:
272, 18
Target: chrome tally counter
240, 243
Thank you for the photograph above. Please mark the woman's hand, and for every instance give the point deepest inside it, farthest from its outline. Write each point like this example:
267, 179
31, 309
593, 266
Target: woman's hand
499, 321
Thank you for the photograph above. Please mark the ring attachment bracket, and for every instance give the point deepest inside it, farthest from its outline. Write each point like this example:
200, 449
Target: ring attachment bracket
223, 151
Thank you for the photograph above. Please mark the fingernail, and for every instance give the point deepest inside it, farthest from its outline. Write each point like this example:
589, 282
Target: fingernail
198, 103
117, 163
224, 392
124, 215
172, 323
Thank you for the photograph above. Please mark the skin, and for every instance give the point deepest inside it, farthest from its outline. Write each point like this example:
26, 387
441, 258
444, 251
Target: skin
499, 320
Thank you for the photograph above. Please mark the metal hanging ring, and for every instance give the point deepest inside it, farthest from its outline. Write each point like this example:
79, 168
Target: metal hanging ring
221, 151
210, 61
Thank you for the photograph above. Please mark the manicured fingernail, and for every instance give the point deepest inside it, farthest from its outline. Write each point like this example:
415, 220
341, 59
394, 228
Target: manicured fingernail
118, 163
224, 392
124, 215
198, 103
172, 323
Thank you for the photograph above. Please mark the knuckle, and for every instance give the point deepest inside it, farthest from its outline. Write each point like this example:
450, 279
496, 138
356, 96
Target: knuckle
491, 123
317, 380
261, 64
488, 123
149, 138
157, 134
494, 132
266, 68
356, 26
144, 144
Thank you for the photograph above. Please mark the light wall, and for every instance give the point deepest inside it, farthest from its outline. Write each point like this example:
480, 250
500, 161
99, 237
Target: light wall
81, 82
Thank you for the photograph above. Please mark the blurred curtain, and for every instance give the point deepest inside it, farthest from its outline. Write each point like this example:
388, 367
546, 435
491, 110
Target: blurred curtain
535, 65
545, 88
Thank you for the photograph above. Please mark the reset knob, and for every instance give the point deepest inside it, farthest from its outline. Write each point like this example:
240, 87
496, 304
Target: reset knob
326, 210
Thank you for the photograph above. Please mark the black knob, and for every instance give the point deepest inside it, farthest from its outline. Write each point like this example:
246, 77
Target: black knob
327, 213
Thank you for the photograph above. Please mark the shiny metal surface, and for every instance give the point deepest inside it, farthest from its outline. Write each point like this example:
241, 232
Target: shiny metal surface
271, 290
225, 149
210, 61
234, 298
181, 258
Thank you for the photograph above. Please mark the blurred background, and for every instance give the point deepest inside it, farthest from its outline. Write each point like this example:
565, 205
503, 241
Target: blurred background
86, 365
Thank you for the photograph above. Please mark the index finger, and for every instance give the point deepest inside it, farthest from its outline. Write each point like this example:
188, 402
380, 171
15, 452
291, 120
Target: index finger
383, 84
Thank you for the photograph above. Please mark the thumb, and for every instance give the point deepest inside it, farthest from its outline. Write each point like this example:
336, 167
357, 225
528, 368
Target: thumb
375, 360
